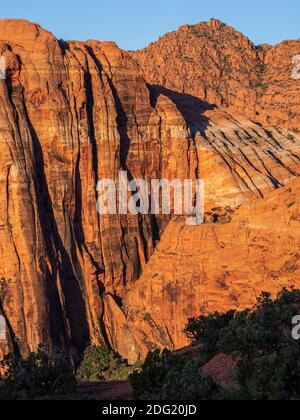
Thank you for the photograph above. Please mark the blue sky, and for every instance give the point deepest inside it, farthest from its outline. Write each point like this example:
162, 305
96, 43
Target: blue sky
135, 23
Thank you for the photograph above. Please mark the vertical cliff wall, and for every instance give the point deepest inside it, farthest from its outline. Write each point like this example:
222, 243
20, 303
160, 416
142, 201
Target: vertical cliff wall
71, 114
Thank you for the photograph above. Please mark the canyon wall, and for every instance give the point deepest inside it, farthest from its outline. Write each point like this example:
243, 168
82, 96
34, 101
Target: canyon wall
70, 116
73, 113
214, 62
218, 267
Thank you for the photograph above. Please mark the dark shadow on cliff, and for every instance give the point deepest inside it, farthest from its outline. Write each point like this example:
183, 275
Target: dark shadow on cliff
79, 231
125, 143
191, 107
68, 324
72, 289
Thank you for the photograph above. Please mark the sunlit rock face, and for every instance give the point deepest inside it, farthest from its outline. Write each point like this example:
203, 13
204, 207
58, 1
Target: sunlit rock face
214, 62
218, 267
73, 113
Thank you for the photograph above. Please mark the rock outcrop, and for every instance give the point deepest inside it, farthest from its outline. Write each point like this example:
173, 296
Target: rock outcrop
218, 267
214, 62
73, 113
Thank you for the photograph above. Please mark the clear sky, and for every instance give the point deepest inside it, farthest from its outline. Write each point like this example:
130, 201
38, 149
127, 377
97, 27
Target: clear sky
135, 23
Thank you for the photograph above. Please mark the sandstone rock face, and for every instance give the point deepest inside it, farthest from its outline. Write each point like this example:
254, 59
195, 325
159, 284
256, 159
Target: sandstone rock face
214, 62
219, 267
73, 113
70, 116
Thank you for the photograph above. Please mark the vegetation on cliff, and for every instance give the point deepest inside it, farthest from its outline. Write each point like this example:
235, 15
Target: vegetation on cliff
101, 363
37, 376
168, 376
260, 340
51, 375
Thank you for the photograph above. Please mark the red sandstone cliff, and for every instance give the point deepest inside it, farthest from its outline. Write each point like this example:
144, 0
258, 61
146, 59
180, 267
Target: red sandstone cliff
219, 267
73, 113
214, 62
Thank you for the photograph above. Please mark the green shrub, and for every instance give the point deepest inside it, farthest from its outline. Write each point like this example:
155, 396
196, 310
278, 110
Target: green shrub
188, 383
260, 340
229, 395
207, 330
268, 358
102, 364
168, 376
38, 375
269, 366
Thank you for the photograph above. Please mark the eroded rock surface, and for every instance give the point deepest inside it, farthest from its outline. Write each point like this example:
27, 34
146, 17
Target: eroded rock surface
214, 62
219, 267
73, 113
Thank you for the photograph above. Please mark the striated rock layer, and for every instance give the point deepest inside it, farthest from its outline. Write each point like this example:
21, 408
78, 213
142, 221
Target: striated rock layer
70, 116
73, 113
218, 267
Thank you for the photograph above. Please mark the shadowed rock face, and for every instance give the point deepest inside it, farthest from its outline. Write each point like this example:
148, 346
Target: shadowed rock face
74, 113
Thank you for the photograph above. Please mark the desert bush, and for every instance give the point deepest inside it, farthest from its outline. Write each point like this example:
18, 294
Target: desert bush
260, 339
188, 383
38, 375
102, 364
229, 395
207, 329
269, 358
168, 376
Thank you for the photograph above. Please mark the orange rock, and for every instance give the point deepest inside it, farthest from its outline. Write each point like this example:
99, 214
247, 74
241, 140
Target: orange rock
219, 267
214, 62
73, 113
